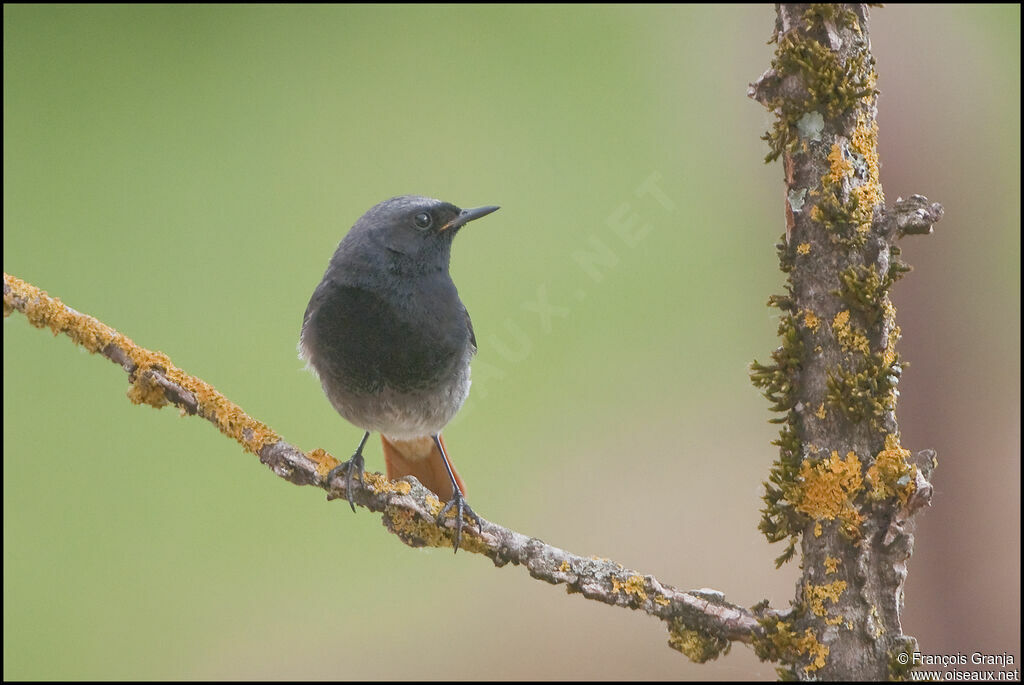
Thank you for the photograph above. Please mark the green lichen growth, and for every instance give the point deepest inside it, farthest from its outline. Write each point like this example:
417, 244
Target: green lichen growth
851, 189
780, 519
867, 389
863, 290
814, 83
897, 267
776, 379
847, 223
698, 646
785, 253
900, 661
838, 16
783, 302
866, 393
832, 86
838, 218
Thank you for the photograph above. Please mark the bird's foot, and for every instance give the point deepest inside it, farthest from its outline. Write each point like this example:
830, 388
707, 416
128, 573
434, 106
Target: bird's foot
352, 467
461, 506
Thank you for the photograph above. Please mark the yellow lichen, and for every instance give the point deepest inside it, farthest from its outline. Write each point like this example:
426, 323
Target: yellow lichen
662, 600
848, 336
145, 390
323, 460
564, 567
420, 532
147, 365
699, 647
889, 312
803, 248
43, 311
868, 195
410, 527
839, 166
225, 414
820, 413
865, 143
892, 473
815, 596
875, 625
832, 564
829, 489
816, 651
380, 484
811, 320
633, 586
791, 644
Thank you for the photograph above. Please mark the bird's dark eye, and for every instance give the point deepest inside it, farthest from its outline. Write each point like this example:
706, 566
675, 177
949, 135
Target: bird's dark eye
423, 220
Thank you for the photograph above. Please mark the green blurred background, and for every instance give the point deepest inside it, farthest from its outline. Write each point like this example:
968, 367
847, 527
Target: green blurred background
184, 174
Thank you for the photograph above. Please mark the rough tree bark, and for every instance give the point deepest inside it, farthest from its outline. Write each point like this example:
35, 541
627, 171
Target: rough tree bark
843, 488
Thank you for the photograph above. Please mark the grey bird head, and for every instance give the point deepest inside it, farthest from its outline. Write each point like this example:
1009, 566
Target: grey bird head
411, 232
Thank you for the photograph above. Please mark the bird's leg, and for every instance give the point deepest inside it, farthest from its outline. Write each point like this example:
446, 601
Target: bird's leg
457, 502
354, 464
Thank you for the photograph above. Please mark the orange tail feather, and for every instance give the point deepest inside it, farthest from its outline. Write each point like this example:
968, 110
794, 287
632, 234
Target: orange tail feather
420, 457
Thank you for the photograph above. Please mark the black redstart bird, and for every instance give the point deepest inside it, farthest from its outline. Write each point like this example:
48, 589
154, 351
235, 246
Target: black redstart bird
391, 341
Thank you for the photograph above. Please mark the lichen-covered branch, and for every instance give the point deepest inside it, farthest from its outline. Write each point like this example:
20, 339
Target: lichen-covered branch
843, 488
701, 623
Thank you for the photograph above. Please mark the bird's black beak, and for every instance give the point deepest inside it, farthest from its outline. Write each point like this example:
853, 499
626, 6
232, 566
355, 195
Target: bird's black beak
467, 215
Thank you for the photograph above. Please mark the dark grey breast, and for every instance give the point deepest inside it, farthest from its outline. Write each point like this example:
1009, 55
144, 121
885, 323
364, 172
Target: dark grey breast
387, 313
365, 338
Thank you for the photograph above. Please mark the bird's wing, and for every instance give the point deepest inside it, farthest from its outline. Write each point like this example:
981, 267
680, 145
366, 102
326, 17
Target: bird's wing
469, 325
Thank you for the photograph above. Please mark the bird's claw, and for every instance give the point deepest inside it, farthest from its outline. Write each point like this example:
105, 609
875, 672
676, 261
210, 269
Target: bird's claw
458, 502
355, 464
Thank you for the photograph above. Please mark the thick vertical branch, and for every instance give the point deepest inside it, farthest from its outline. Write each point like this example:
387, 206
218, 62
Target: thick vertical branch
844, 487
